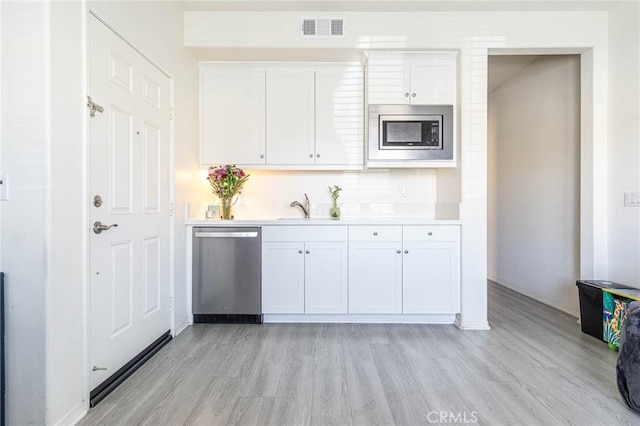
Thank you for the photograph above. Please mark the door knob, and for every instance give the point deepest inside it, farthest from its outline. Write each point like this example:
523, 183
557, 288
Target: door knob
98, 227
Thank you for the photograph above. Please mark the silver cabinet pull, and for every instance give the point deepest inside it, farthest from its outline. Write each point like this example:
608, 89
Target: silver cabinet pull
318, 155
310, 155
261, 155
307, 251
406, 252
406, 95
398, 251
99, 368
413, 95
300, 251
375, 232
98, 227
429, 233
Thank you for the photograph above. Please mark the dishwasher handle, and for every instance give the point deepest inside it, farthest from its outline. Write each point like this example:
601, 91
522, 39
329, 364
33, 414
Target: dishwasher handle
226, 234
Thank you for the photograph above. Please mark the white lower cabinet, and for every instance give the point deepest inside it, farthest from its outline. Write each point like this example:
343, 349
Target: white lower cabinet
305, 276
412, 270
375, 277
431, 269
283, 278
430, 278
325, 278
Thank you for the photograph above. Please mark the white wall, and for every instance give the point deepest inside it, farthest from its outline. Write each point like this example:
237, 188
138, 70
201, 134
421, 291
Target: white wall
473, 34
66, 235
43, 152
534, 172
25, 151
624, 142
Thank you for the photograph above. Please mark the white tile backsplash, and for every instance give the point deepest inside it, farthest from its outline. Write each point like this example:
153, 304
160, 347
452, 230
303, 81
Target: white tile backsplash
369, 193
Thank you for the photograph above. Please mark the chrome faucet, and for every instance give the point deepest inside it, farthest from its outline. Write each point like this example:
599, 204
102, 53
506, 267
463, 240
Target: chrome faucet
305, 208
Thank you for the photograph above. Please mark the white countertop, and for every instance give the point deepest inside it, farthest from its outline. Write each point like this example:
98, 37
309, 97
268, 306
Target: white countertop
323, 221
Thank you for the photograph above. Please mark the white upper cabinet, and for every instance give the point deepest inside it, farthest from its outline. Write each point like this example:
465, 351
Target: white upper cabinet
339, 116
232, 116
290, 117
432, 80
417, 78
283, 116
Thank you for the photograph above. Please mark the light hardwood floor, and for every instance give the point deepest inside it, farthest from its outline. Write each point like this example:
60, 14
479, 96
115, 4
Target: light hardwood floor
534, 367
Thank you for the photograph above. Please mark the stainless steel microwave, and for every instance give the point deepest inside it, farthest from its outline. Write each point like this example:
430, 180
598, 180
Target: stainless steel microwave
410, 132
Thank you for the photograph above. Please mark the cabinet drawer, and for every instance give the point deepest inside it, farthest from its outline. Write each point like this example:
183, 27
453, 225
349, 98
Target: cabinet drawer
375, 233
304, 233
431, 233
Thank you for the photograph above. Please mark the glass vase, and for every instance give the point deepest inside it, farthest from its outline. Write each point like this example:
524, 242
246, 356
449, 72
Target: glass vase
335, 212
226, 207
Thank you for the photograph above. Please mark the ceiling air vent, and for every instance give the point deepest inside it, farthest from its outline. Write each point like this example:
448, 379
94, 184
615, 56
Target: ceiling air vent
322, 27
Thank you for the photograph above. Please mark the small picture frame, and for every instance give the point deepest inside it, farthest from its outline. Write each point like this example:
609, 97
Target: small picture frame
212, 212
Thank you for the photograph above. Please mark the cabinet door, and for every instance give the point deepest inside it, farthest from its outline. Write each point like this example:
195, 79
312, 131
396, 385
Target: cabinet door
431, 278
232, 116
282, 278
386, 83
339, 116
375, 278
433, 80
290, 117
326, 278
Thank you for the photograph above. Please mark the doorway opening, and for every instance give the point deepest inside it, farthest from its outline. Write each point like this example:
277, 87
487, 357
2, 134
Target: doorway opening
534, 169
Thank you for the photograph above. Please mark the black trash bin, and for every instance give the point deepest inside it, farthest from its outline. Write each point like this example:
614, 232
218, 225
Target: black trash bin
590, 292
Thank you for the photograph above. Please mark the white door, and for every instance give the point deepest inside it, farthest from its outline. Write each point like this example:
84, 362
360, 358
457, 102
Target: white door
375, 278
232, 116
129, 169
339, 116
325, 266
290, 117
283, 278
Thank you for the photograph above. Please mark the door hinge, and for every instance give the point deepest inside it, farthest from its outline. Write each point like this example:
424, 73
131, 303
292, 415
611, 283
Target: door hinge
93, 107
170, 113
171, 209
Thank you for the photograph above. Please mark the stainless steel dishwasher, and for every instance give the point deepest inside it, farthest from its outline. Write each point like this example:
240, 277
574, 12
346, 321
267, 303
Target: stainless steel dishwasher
227, 285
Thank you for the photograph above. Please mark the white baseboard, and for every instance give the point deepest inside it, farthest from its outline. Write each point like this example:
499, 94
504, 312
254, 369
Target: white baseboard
471, 325
182, 325
532, 294
76, 414
361, 318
